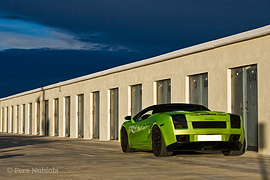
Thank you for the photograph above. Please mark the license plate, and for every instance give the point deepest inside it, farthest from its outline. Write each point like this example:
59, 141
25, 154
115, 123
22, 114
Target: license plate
209, 137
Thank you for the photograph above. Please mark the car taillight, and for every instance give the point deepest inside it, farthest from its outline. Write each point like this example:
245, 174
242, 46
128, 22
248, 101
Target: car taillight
235, 121
179, 121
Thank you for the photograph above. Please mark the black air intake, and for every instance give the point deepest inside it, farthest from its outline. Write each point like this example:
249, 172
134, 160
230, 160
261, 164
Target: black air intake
209, 124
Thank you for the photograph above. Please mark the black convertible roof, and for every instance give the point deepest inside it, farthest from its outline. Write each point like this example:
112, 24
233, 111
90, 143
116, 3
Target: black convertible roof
177, 106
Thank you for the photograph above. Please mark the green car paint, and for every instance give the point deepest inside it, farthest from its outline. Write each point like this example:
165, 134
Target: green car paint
139, 132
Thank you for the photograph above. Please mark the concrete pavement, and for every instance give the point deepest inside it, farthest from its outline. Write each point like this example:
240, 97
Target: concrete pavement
40, 157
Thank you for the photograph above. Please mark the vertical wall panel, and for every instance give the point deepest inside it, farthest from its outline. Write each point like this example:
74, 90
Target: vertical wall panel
251, 106
12, 119
56, 117
18, 118
80, 115
46, 102
67, 116
95, 114
114, 108
3, 119
30, 118
7, 119
23, 118
38, 117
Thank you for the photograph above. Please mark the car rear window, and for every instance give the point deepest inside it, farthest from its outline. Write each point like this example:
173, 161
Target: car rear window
187, 108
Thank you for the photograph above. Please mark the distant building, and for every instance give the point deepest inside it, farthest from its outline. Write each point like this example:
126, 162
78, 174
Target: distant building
231, 74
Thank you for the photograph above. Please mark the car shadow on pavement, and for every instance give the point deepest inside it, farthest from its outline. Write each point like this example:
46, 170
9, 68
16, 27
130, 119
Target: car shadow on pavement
10, 150
181, 153
187, 153
7, 141
9, 156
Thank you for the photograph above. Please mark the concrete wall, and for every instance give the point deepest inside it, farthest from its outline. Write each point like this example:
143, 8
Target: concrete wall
215, 58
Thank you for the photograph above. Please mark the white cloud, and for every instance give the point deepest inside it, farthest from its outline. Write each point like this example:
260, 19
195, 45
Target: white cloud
20, 34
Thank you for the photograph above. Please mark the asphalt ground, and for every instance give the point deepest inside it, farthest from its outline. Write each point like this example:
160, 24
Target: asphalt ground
40, 157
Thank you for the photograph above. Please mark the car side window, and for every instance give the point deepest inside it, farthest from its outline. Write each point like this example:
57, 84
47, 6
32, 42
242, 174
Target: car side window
145, 115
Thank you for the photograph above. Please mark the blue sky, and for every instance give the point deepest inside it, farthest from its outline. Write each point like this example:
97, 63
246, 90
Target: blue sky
47, 41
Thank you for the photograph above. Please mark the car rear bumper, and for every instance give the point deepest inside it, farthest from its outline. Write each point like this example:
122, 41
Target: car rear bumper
212, 145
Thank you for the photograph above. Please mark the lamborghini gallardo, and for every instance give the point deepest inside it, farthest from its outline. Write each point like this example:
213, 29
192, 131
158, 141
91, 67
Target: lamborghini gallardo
166, 128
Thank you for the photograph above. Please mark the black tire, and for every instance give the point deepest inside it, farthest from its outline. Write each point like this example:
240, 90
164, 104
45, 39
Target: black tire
158, 145
124, 141
235, 153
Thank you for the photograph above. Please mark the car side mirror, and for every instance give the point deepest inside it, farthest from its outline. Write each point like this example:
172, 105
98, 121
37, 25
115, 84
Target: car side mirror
128, 118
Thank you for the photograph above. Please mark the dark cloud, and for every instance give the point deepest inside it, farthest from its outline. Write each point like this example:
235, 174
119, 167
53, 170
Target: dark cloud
137, 22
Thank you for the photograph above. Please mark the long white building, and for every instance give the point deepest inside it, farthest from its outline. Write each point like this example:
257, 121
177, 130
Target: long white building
231, 74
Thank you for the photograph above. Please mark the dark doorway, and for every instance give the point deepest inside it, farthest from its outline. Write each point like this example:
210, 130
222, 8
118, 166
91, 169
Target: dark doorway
67, 116
80, 115
56, 117
245, 101
95, 115
114, 114
136, 99
47, 117
164, 91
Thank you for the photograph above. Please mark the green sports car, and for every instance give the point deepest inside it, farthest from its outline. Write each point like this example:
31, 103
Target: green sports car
166, 128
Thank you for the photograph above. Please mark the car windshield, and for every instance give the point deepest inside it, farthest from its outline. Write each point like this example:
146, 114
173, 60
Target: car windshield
187, 108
